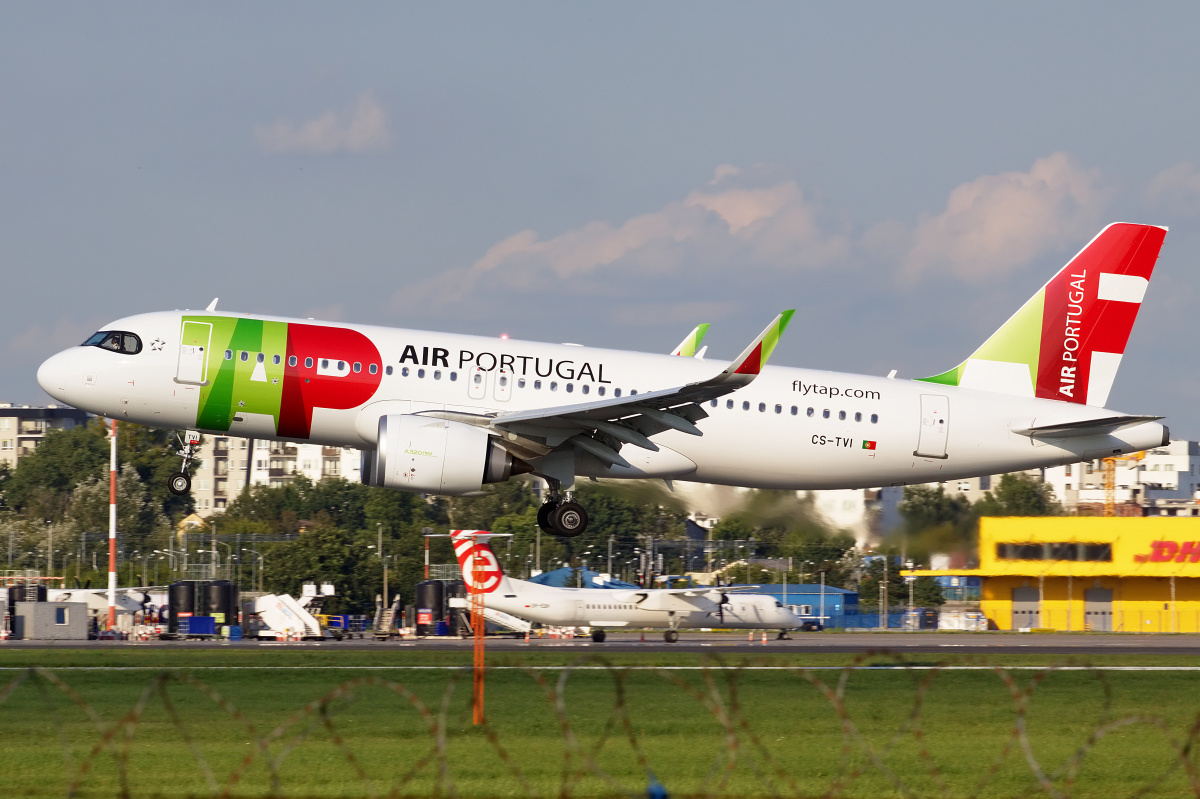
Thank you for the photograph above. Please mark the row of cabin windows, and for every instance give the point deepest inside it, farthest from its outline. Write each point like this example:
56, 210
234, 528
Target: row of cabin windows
795, 411
341, 366
477, 379
584, 388
611, 607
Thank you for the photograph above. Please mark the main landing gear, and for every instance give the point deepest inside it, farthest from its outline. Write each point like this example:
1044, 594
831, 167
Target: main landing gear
180, 482
565, 519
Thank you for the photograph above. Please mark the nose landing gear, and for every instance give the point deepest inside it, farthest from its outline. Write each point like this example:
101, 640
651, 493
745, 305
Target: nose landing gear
179, 483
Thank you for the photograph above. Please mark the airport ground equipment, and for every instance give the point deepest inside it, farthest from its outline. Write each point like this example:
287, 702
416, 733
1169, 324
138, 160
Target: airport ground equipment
505, 621
281, 617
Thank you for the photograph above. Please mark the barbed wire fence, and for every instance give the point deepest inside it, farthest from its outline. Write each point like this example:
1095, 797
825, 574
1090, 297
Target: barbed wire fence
743, 765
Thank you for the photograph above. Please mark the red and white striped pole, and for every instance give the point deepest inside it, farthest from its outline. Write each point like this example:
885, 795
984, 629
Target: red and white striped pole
112, 528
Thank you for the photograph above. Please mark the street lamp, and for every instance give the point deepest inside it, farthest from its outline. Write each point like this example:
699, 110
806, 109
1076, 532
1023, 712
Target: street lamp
259, 563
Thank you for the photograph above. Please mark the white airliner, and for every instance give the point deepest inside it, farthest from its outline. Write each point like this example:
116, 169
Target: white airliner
600, 608
441, 413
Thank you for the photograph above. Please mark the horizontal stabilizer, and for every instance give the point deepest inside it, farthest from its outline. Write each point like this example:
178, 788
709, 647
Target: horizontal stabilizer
1087, 427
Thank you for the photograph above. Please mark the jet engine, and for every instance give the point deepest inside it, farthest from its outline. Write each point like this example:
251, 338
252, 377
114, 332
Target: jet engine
436, 456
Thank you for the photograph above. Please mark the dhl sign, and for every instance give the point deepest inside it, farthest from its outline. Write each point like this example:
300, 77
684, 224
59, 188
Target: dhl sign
1171, 551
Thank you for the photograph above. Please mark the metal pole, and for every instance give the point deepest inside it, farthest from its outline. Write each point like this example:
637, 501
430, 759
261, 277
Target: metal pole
610, 543
383, 560
822, 618
50, 550
112, 526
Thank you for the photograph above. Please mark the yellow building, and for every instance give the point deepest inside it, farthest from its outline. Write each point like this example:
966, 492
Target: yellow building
1088, 573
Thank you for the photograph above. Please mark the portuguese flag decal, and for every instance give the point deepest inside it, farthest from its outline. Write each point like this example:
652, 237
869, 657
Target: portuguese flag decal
868, 445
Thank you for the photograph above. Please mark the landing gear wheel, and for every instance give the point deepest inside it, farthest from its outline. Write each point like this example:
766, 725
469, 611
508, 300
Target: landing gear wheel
671, 636
598, 636
569, 520
179, 483
543, 518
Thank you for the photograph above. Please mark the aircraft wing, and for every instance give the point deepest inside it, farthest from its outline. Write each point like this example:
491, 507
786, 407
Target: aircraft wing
602, 426
1087, 427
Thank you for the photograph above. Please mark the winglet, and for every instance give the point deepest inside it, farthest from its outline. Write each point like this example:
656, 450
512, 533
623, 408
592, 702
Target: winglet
755, 357
687, 348
212, 306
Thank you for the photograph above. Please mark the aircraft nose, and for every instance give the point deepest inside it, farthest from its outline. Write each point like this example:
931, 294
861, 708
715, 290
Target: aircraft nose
56, 375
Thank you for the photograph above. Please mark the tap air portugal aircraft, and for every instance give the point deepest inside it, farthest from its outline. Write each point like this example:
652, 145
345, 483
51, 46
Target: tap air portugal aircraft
670, 608
441, 413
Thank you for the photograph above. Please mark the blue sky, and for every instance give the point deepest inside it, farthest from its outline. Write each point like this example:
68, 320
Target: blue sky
905, 175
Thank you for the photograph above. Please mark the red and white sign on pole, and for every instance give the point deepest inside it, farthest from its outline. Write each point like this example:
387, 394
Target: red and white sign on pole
112, 527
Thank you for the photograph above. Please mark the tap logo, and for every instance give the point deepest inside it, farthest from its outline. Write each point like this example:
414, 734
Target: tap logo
1168, 551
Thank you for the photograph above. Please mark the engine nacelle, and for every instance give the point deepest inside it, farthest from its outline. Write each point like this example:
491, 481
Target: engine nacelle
434, 456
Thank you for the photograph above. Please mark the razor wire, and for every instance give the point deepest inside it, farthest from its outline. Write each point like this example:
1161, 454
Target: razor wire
743, 765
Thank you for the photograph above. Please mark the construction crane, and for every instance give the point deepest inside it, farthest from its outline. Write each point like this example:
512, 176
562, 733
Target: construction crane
1110, 479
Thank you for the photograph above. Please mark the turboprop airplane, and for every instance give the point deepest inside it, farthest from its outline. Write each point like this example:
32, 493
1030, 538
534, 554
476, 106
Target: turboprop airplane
440, 413
599, 608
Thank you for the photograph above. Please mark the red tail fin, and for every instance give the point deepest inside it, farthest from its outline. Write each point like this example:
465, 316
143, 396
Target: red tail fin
473, 551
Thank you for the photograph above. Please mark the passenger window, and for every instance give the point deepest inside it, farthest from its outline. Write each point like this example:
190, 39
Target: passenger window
584, 389
453, 376
600, 391
825, 414
842, 415
570, 387
810, 411
713, 403
373, 368
858, 417
795, 410
341, 366
521, 382
874, 418
245, 356
276, 359
632, 392
778, 409
324, 363
291, 360
745, 406
503, 380
729, 404
387, 371
553, 385
308, 362
229, 355
404, 371
477, 379
762, 407
616, 392
420, 373
357, 367
261, 358
537, 384
437, 374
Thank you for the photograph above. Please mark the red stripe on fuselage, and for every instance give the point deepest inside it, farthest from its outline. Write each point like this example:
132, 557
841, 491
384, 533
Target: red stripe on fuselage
304, 389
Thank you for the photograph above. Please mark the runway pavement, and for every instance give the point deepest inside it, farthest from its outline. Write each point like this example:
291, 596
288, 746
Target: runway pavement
990, 643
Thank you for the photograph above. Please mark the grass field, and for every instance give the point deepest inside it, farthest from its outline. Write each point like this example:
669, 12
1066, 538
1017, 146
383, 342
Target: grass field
284, 723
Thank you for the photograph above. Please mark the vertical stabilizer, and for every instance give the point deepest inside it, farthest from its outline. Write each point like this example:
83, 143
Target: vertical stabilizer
1066, 342
472, 544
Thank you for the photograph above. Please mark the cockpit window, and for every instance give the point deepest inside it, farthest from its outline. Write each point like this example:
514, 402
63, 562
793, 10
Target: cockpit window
115, 340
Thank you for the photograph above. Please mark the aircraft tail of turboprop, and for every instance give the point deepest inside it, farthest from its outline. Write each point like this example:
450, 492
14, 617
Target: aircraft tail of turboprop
1066, 342
481, 570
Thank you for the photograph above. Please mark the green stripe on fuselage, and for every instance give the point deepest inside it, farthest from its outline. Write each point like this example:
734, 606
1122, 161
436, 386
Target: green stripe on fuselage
232, 387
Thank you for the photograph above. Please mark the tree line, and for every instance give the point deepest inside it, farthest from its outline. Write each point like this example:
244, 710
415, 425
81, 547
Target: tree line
54, 517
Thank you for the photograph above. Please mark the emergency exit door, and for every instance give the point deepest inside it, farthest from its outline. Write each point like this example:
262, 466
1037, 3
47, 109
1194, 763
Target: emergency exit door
935, 426
193, 353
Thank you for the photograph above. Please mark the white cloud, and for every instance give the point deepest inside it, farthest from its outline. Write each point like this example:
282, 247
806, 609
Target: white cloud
360, 129
743, 219
998, 223
1178, 185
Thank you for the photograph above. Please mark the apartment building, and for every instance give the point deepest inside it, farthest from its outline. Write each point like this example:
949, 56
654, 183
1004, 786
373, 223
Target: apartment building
22, 427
